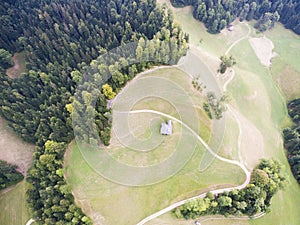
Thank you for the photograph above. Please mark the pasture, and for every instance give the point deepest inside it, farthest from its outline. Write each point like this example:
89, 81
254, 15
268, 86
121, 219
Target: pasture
259, 100
256, 117
101, 198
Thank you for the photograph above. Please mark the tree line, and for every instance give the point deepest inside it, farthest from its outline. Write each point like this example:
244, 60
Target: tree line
292, 138
255, 198
217, 14
9, 174
62, 39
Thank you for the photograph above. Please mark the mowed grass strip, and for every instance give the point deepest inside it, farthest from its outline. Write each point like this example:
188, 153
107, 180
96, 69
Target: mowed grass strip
13, 206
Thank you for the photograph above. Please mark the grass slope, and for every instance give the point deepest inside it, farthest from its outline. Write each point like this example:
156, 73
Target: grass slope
255, 93
13, 200
101, 199
13, 205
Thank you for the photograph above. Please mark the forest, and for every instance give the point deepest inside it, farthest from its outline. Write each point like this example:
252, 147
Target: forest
255, 198
291, 138
62, 41
9, 175
217, 14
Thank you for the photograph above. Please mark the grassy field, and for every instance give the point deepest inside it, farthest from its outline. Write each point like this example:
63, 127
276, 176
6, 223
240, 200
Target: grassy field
260, 108
12, 200
13, 149
102, 198
13, 205
256, 95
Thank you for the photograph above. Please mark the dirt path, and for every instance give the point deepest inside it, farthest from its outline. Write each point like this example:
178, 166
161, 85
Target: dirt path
29, 222
239, 163
237, 41
175, 205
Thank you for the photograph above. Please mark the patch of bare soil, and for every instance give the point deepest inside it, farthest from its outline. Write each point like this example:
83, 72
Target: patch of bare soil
13, 149
17, 69
263, 48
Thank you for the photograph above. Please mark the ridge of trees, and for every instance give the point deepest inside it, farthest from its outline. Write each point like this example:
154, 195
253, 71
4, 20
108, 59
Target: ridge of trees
62, 40
255, 198
9, 175
292, 138
217, 14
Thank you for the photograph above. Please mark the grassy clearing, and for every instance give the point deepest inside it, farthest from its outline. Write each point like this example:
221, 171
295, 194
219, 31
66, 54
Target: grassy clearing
285, 66
266, 109
229, 146
132, 204
198, 35
13, 200
101, 198
13, 205
257, 97
13, 149
19, 65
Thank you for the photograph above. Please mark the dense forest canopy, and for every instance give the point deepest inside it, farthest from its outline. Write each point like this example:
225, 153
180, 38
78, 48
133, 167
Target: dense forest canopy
217, 14
292, 138
62, 39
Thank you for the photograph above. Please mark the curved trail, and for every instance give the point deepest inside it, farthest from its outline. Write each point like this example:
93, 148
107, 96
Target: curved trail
240, 164
30, 221
175, 205
237, 41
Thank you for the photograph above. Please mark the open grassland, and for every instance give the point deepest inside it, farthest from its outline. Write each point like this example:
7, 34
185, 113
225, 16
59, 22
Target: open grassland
257, 97
13, 205
101, 199
110, 203
13, 200
285, 66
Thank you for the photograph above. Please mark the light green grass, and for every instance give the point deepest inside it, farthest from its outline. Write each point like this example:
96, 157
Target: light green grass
267, 111
13, 205
285, 66
99, 196
133, 204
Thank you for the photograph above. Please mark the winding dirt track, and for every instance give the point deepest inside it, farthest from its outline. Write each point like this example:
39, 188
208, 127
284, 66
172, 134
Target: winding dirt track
238, 163
234, 162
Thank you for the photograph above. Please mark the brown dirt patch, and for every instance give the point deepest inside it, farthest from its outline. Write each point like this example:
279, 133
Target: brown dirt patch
263, 48
18, 68
13, 149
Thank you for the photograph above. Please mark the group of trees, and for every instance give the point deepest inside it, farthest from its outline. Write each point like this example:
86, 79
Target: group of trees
254, 198
226, 62
5, 59
215, 107
66, 81
217, 14
9, 175
50, 197
292, 138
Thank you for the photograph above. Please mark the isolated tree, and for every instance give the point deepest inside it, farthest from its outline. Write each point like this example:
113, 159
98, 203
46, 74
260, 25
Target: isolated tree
226, 62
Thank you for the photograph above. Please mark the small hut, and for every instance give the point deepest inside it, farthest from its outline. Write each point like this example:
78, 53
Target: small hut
230, 27
166, 128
